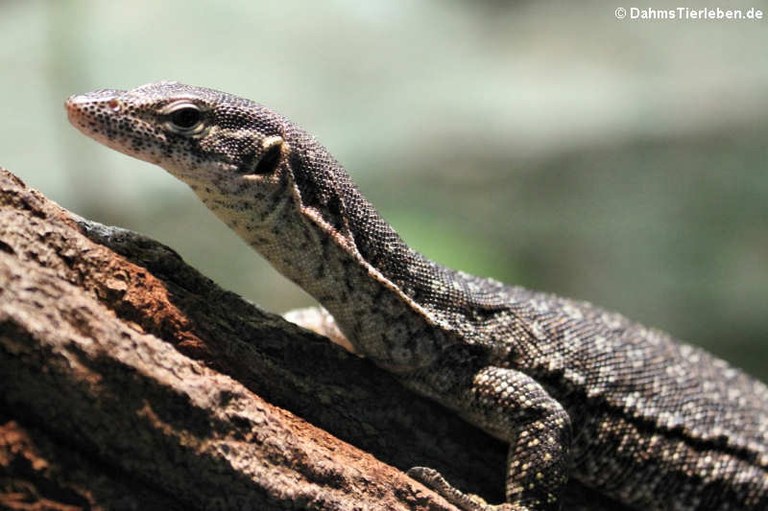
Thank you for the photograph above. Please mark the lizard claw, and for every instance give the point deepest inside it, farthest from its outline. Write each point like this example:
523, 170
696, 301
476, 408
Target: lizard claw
435, 481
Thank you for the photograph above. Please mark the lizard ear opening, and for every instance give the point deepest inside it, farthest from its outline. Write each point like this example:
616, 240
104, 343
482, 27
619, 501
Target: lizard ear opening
270, 158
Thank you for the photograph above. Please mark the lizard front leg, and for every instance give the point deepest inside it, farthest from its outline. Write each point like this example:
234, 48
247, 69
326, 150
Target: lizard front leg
515, 408
508, 404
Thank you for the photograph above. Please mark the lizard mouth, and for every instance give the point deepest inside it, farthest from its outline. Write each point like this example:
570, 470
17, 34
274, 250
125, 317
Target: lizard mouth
94, 114
88, 113
75, 111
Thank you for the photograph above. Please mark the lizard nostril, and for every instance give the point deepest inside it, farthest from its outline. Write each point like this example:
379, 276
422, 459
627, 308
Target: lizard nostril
114, 104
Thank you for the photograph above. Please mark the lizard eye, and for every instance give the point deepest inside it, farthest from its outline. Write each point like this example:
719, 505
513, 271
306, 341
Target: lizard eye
184, 118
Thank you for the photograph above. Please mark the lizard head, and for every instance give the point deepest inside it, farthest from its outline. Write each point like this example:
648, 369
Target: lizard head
223, 147
201, 136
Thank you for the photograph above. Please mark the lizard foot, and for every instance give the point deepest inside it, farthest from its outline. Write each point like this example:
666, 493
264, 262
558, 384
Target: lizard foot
432, 479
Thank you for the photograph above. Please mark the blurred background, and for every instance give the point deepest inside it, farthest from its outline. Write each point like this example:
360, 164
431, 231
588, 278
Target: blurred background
545, 144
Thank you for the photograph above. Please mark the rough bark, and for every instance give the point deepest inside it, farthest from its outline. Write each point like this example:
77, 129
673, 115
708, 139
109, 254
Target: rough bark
130, 381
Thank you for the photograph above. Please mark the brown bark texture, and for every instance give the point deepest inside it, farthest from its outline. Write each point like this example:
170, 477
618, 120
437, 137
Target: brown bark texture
128, 380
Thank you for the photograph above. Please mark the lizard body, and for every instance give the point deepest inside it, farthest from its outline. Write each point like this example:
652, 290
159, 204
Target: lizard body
576, 391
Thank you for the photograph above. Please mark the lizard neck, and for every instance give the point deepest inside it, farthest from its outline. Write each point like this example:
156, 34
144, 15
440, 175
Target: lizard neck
329, 198
322, 234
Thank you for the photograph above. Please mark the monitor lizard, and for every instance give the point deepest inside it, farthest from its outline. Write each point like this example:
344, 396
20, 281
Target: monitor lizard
576, 391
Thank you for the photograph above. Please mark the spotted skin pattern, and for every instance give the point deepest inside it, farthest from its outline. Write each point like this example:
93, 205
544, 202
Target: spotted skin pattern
576, 391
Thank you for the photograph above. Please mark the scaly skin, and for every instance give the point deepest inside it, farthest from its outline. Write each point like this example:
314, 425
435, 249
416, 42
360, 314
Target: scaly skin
576, 391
